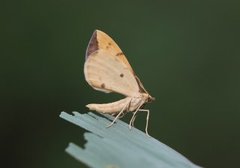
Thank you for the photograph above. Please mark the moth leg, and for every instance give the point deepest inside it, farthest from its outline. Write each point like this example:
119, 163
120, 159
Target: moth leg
131, 123
119, 114
127, 109
133, 120
147, 119
122, 115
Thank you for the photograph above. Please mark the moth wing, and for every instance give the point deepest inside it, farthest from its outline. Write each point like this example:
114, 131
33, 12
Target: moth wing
101, 40
106, 72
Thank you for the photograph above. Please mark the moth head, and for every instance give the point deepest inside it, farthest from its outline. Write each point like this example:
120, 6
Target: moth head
148, 98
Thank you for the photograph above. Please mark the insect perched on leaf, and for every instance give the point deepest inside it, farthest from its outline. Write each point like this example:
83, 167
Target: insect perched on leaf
107, 69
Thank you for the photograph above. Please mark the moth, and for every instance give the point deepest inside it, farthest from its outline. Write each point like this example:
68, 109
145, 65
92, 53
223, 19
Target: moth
107, 69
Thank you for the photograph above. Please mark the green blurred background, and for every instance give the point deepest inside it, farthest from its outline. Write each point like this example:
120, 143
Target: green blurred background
186, 53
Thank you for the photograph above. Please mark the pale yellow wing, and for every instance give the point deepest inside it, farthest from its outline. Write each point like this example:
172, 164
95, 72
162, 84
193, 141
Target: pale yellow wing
107, 69
106, 72
101, 40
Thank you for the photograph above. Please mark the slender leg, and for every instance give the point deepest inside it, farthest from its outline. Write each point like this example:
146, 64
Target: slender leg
122, 115
147, 119
133, 117
119, 114
133, 120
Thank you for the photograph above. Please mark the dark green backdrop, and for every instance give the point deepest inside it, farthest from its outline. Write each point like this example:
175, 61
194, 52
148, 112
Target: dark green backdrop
187, 54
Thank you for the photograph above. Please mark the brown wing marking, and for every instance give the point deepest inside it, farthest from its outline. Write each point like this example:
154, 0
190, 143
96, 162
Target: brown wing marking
101, 40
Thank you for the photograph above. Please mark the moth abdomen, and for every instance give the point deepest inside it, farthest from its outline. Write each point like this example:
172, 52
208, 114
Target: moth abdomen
109, 108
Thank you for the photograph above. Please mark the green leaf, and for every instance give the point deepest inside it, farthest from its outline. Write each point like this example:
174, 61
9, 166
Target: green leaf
120, 147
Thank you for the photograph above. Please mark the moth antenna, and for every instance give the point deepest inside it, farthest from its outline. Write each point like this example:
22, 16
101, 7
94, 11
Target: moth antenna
141, 87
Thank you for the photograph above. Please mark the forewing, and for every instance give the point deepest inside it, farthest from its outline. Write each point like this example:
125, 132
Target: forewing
101, 40
105, 71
